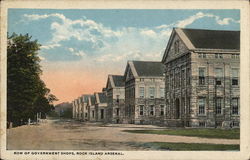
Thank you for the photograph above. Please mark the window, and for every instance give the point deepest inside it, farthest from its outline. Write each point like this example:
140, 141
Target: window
141, 92
201, 76
218, 124
141, 109
218, 105
162, 110
102, 113
151, 92
235, 56
218, 75
162, 92
141, 79
202, 55
86, 114
183, 78
218, 55
202, 124
201, 103
176, 47
183, 105
151, 110
117, 98
93, 114
188, 76
235, 73
235, 124
235, 106
188, 105
117, 111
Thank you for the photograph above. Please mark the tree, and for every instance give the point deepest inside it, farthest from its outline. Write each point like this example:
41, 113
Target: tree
26, 92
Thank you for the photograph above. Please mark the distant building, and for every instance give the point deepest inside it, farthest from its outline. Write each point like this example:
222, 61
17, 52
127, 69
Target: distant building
144, 92
202, 78
115, 89
100, 107
64, 109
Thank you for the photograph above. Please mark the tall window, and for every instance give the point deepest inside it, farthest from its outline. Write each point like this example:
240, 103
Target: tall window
151, 110
235, 106
218, 105
162, 110
141, 92
162, 92
141, 109
176, 47
183, 78
117, 111
151, 92
93, 114
235, 56
235, 74
218, 76
201, 76
183, 105
188, 76
117, 98
201, 103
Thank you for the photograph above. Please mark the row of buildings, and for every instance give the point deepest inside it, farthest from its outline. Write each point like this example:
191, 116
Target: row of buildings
195, 85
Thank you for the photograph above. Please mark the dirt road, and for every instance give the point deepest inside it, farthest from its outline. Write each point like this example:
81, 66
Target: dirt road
72, 135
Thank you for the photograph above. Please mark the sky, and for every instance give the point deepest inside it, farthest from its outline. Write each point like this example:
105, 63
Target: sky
81, 47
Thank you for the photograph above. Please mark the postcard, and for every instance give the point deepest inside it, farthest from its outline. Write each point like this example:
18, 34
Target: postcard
125, 80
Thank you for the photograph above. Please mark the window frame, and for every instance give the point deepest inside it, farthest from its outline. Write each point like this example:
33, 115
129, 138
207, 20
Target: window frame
202, 106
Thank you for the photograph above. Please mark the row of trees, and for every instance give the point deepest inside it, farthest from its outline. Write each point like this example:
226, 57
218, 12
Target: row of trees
27, 94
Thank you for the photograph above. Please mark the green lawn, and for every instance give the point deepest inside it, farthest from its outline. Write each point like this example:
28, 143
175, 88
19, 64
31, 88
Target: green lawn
189, 146
195, 132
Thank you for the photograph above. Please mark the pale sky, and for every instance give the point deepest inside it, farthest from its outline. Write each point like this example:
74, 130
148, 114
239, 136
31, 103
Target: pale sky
81, 47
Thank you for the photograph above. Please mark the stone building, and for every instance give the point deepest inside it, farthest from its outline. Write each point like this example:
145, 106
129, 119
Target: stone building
202, 78
115, 89
144, 92
100, 107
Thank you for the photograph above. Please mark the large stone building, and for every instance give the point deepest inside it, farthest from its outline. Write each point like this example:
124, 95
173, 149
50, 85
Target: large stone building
80, 109
144, 92
202, 78
115, 89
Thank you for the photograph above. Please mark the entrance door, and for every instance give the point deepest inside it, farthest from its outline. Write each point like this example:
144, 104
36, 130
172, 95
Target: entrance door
102, 113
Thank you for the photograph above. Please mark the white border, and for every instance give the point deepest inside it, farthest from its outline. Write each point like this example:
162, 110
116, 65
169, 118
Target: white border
244, 152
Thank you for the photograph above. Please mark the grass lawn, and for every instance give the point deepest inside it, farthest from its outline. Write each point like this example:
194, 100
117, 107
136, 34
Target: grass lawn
195, 132
189, 146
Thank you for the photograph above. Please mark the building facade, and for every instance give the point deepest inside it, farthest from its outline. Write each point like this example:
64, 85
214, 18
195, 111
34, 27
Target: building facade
91, 108
144, 92
202, 78
101, 107
115, 89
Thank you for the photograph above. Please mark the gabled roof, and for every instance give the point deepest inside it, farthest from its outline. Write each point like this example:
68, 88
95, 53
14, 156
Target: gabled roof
100, 98
116, 81
204, 40
213, 39
148, 68
92, 100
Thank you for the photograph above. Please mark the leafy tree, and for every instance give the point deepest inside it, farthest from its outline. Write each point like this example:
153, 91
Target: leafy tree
26, 92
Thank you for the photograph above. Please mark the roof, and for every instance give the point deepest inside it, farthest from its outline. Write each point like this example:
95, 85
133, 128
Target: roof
149, 68
92, 100
118, 80
102, 98
213, 39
